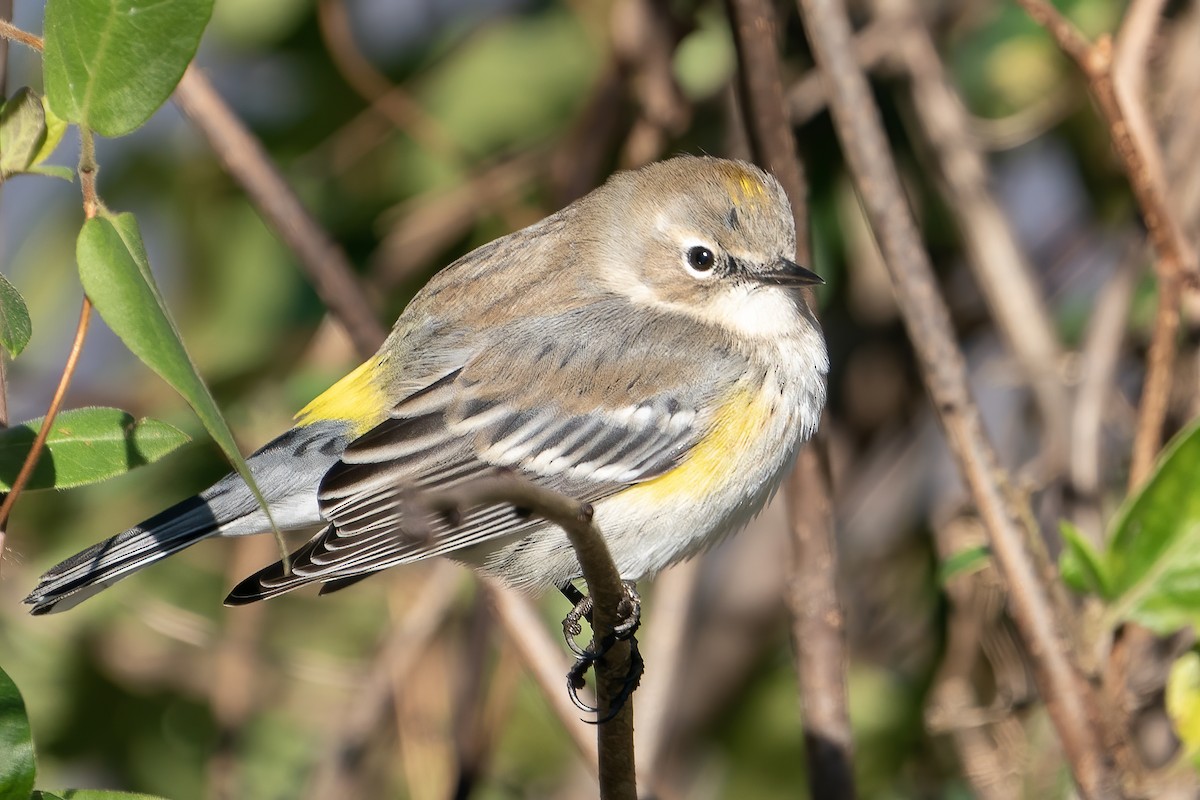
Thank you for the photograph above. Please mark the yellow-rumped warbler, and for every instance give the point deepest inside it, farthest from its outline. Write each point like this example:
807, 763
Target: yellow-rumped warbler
645, 350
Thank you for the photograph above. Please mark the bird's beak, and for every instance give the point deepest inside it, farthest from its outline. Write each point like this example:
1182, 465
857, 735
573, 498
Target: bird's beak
788, 273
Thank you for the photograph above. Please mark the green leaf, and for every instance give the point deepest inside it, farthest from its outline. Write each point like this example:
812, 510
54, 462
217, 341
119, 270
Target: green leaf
15, 327
109, 64
53, 171
1183, 703
22, 131
1081, 567
86, 445
1154, 549
56, 127
116, 276
38, 794
964, 562
17, 767
102, 794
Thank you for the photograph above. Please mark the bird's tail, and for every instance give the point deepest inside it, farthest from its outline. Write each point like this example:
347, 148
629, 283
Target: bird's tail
101, 565
287, 471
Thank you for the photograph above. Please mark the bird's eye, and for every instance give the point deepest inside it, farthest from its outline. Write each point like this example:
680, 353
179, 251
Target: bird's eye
700, 259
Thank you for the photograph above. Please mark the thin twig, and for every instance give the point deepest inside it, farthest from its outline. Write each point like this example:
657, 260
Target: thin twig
335, 775
545, 661
668, 648
91, 207
245, 160
386, 99
39, 442
995, 257
1040, 614
15, 34
1138, 150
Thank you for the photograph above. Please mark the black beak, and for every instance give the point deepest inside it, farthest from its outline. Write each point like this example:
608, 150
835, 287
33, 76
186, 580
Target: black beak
788, 273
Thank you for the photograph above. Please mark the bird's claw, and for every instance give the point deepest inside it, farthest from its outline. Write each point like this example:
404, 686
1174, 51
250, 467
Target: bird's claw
630, 610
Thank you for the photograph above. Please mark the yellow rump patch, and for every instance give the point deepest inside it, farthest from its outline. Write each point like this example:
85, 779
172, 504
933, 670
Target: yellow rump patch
737, 426
356, 398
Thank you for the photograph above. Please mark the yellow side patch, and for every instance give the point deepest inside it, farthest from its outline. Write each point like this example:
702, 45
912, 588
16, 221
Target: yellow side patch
356, 398
737, 426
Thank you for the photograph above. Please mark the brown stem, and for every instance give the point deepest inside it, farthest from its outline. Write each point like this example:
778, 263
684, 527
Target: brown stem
1137, 148
15, 34
765, 109
35, 452
995, 257
818, 627
1040, 615
245, 160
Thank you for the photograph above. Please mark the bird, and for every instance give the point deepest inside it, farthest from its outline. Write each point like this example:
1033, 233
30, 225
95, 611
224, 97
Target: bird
646, 350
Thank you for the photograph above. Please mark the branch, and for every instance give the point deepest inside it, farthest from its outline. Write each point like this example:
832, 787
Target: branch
1039, 614
614, 737
336, 773
995, 257
819, 627
765, 109
1137, 148
12, 33
245, 160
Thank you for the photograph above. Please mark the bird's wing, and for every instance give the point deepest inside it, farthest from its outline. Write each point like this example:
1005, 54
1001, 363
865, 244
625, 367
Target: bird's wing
581, 414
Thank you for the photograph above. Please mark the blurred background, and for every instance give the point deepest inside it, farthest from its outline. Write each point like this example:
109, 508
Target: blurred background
420, 129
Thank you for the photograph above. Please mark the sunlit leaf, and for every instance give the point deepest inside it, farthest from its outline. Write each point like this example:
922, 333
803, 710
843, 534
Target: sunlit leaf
116, 276
22, 131
15, 327
17, 768
53, 171
1183, 702
86, 445
1081, 567
56, 127
1154, 551
109, 64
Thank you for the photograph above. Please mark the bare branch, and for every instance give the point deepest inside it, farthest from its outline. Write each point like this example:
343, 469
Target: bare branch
246, 161
1019, 553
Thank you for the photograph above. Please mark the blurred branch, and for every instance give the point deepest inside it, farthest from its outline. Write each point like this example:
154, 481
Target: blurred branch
996, 259
385, 98
874, 48
1116, 88
1040, 613
245, 160
819, 626
1099, 358
544, 660
764, 109
976, 600
817, 620
614, 735
337, 774
668, 648
644, 38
